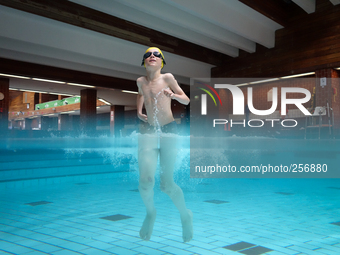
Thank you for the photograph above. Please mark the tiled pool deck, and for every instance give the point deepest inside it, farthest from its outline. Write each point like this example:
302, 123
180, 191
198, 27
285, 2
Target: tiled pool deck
231, 216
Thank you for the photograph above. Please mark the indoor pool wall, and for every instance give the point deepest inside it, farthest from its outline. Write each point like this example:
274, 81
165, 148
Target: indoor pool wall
45, 161
26, 162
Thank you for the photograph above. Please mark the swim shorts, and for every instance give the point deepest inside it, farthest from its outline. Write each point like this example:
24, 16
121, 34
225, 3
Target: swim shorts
170, 128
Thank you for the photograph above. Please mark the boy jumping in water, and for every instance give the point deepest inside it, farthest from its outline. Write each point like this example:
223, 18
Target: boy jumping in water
155, 91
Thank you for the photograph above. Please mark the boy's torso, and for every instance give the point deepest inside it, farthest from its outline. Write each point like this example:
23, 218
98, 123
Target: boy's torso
157, 105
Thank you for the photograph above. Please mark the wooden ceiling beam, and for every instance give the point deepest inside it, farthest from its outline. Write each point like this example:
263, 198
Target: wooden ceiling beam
84, 17
312, 44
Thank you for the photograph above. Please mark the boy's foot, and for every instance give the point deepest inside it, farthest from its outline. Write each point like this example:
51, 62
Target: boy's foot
146, 230
187, 227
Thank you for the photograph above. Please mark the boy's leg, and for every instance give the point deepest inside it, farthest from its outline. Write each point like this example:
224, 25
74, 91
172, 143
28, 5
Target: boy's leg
168, 154
147, 161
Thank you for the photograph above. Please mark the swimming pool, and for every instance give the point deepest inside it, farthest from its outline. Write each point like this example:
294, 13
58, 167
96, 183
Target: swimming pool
80, 196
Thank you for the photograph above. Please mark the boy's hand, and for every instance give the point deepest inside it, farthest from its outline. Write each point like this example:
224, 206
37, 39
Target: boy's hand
142, 117
169, 93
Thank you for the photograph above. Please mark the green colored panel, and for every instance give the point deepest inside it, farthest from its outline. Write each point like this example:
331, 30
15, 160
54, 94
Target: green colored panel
51, 104
71, 100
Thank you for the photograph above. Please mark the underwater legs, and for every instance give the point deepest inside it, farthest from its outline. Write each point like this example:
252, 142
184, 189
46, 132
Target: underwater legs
168, 153
147, 161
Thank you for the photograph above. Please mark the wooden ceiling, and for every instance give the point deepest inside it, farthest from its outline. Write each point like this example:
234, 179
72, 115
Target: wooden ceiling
84, 17
283, 13
307, 43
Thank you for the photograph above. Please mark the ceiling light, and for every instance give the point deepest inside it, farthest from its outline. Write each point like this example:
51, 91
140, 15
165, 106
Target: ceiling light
337, 68
38, 79
27, 90
242, 84
262, 81
105, 102
128, 91
297, 75
61, 94
81, 85
14, 76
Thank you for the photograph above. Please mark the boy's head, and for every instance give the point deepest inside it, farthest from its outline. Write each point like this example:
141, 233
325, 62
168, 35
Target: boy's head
153, 51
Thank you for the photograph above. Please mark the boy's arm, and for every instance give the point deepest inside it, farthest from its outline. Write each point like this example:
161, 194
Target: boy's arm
140, 103
177, 94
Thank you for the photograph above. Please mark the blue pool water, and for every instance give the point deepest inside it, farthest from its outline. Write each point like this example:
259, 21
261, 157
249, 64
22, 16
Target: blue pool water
79, 196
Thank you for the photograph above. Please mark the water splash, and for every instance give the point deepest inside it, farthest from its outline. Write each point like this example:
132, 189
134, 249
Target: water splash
156, 110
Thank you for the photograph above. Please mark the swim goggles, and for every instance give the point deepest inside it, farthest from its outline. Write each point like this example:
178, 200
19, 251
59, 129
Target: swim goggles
156, 54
